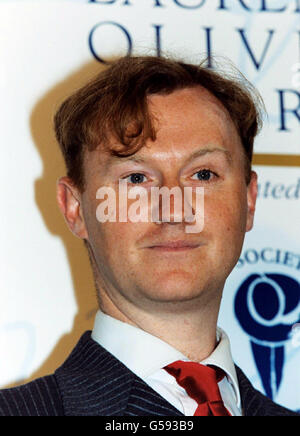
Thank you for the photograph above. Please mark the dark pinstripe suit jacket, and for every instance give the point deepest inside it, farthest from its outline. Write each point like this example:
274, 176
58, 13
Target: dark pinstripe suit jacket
94, 383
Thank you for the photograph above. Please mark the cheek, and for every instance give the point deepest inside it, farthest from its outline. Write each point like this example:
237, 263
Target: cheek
115, 243
226, 214
225, 230
111, 240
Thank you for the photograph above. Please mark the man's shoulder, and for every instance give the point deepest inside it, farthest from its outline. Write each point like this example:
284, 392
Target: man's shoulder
88, 366
270, 408
40, 397
59, 394
254, 403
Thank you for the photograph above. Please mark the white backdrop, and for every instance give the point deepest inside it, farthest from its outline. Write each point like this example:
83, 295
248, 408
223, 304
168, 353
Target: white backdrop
48, 49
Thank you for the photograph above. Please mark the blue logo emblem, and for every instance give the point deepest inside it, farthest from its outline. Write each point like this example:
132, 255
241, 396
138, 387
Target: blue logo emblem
267, 306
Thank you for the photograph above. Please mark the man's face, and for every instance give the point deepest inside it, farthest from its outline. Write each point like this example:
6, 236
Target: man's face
197, 145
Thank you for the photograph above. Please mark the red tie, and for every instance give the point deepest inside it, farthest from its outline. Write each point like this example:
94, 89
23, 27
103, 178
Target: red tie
201, 384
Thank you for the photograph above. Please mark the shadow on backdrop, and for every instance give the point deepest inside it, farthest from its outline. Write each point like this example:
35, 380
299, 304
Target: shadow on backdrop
45, 196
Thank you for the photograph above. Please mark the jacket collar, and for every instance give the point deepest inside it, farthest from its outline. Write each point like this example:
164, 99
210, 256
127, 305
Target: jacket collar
254, 403
94, 383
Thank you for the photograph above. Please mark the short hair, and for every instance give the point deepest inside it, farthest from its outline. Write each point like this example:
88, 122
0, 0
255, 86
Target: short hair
115, 104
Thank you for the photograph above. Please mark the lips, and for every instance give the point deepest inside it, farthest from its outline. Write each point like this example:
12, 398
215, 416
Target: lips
174, 246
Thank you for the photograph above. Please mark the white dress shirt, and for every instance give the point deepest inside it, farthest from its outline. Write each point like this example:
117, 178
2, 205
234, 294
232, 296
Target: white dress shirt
146, 356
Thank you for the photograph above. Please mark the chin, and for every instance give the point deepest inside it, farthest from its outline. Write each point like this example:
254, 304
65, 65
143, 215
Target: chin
175, 287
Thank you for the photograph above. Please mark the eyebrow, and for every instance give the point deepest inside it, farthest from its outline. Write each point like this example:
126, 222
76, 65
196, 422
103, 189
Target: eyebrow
205, 151
118, 160
198, 153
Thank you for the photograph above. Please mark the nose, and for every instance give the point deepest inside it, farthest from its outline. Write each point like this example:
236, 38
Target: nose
172, 210
170, 205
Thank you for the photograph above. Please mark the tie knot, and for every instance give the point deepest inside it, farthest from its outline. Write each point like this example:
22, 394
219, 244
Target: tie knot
201, 384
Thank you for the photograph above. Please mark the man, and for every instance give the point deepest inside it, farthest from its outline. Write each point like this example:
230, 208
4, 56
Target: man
155, 348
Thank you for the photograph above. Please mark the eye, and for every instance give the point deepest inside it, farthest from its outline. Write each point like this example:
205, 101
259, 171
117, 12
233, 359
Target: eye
204, 175
136, 178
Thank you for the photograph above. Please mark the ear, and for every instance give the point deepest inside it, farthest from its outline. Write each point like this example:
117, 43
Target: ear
68, 199
252, 190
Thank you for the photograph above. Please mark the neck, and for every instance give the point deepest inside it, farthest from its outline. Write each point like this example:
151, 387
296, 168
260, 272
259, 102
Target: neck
190, 327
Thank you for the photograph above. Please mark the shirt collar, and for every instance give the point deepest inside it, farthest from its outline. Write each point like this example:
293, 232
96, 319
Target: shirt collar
222, 358
128, 344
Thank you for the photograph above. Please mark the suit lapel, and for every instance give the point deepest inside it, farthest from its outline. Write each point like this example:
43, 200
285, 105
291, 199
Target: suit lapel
144, 401
253, 402
94, 383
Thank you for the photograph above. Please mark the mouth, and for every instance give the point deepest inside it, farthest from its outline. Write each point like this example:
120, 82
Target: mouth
174, 246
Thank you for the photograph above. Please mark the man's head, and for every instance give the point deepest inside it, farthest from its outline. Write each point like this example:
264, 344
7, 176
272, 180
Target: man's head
157, 122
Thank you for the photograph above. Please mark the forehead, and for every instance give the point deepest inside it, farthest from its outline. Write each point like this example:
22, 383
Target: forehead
184, 121
193, 109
